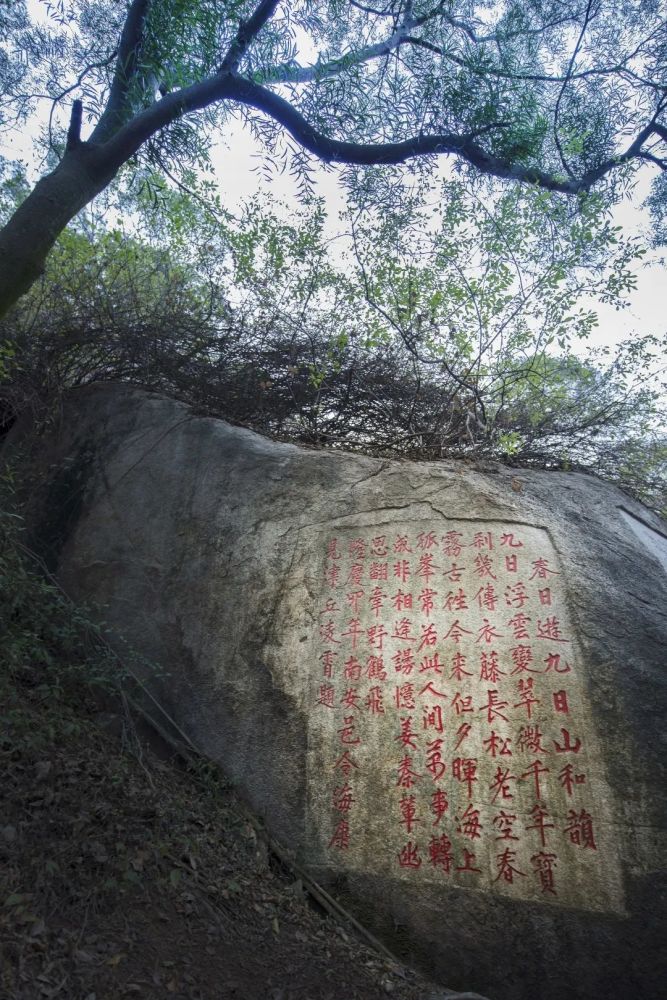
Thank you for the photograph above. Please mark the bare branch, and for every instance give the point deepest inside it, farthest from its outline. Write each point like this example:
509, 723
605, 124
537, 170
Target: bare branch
495, 37
372, 10
487, 71
588, 17
291, 73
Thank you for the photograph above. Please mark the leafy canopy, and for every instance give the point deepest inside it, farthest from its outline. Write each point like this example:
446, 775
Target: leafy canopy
449, 334
560, 93
464, 310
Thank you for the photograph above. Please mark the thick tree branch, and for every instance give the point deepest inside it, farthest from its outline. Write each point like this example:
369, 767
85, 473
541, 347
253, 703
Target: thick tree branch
464, 146
129, 48
337, 151
248, 30
228, 86
131, 137
127, 141
651, 158
74, 130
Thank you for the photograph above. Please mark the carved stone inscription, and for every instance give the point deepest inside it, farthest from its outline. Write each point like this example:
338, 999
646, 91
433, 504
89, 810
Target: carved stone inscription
449, 737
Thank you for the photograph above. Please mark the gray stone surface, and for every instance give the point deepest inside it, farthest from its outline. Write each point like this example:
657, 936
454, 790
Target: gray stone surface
210, 550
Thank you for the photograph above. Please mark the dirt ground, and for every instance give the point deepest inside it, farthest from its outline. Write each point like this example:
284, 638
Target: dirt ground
123, 874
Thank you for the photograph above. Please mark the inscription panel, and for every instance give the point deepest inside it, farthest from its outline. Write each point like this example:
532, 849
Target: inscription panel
449, 737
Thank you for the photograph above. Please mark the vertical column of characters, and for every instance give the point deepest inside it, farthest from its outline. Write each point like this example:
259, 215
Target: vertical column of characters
402, 661
435, 697
404, 640
486, 715
390, 638
531, 717
419, 736
430, 674
406, 647
497, 640
462, 644
364, 669
411, 640
554, 657
332, 696
376, 636
521, 697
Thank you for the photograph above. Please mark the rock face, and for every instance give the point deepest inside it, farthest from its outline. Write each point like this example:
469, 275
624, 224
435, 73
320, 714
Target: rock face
444, 689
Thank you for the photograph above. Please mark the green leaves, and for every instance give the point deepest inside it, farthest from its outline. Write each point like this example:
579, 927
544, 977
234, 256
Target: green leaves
497, 276
455, 328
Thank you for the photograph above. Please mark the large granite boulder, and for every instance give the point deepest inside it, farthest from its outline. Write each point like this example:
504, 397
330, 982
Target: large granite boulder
443, 688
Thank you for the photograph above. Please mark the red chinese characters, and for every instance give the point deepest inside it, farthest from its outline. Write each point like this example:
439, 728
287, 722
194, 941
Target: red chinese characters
580, 829
445, 675
434, 762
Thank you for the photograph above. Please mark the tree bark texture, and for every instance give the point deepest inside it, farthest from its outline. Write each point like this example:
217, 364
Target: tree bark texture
30, 234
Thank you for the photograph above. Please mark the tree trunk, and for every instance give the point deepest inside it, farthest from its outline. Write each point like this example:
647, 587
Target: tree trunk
33, 229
